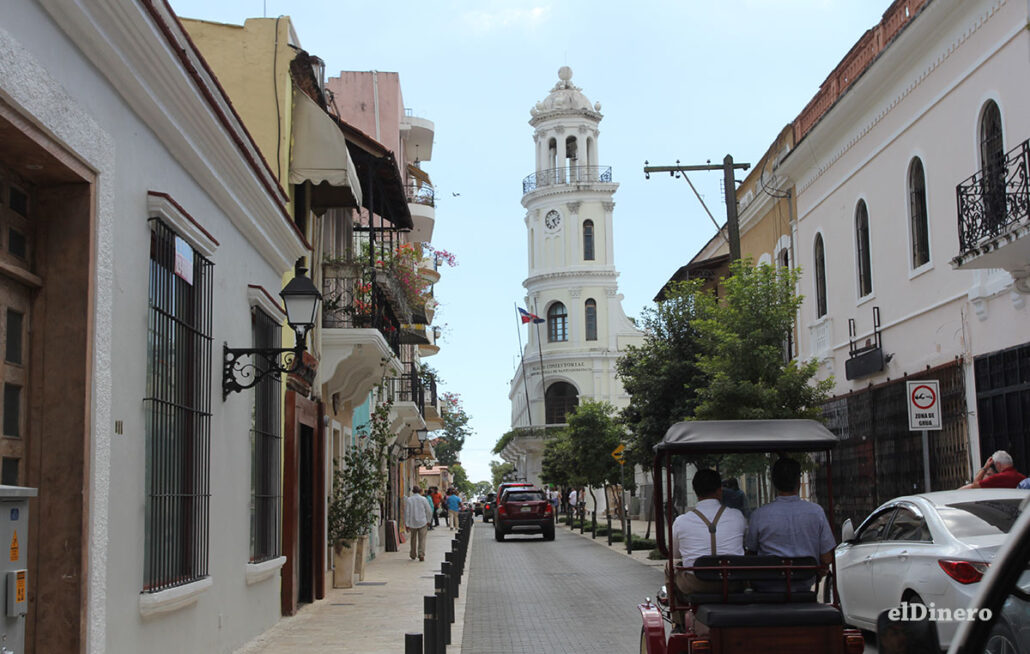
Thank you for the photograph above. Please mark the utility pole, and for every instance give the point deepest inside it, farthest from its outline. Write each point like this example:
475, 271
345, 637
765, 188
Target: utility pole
730, 184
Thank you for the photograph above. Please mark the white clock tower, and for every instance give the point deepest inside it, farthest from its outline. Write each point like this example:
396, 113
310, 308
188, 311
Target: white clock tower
572, 278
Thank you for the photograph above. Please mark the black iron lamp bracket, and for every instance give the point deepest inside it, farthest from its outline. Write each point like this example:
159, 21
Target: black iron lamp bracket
244, 368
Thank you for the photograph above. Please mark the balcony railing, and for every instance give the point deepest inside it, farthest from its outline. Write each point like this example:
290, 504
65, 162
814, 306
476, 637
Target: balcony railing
568, 175
994, 198
420, 194
352, 301
408, 388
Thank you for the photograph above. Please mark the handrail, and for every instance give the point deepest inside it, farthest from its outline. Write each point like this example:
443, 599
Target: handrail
567, 175
420, 194
996, 196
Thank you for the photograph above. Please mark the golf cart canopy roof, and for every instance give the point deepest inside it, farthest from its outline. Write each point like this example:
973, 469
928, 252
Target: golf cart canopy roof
725, 436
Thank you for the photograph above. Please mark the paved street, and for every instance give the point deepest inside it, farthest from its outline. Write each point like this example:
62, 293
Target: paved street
569, 595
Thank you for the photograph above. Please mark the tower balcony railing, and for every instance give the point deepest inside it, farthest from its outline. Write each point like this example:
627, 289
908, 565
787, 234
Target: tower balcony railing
420, 194
566, 175
994, 199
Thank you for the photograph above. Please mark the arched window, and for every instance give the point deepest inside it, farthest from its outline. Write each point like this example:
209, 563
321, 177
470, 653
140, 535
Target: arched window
559, 400
783, 260
590, 309
865, 273
820, 277
557, 323
588, 240
918, 221
992, 163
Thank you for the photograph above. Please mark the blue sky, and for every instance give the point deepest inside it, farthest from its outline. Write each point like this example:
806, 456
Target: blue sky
676, 79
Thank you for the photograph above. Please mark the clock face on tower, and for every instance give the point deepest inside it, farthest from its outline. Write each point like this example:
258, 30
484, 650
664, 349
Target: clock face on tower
552, 220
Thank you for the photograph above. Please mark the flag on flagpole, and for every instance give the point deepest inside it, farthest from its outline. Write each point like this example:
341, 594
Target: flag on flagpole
527, 317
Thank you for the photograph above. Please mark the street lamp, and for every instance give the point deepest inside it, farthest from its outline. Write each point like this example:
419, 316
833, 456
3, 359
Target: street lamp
420, 451
301, 299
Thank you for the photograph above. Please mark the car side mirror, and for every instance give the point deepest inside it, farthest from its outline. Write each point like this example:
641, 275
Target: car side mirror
847, 532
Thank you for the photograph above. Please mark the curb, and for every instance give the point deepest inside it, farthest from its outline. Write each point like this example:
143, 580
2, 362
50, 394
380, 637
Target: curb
620, 548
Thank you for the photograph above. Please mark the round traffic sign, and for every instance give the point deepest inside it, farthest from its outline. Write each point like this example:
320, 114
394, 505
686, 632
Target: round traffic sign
923, 397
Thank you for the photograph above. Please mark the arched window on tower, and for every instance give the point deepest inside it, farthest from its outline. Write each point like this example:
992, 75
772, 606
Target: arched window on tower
820, 277
918, 221
557, 323
588, 240
590, 310
572, 156
992, 163
560, 398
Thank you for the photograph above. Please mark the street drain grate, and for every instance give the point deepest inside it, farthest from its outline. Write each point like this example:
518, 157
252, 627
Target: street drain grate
371, 583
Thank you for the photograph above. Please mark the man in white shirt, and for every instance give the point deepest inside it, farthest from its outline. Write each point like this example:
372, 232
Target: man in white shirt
708, 528
573, 497
417, 514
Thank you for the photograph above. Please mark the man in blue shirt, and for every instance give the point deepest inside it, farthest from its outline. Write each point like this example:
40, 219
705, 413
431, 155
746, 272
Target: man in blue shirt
453, 502
789, 526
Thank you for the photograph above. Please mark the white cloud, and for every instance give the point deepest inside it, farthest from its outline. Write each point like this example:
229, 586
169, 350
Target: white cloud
505, 18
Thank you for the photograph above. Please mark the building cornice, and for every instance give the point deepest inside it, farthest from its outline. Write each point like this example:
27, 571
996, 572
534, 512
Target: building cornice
146, 55
861, 109
599, 278
558, 190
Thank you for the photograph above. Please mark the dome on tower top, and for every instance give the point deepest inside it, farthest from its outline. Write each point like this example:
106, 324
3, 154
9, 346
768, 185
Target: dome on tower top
565, 98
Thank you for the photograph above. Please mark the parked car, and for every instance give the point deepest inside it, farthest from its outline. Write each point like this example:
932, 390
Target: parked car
1002, 600
929, 549
488, 506
524, 509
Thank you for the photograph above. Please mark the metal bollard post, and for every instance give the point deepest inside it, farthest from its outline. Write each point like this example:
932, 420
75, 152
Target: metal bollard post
413, 644
609, 530
571, 513
446, 568
454, 572
430, 623
629, 534
593, 524
442, 619
582, 517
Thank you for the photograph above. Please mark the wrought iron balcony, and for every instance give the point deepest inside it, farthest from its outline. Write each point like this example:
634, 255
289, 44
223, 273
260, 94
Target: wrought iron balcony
353, 299
420, 194
993, 200
567, 175
409, 388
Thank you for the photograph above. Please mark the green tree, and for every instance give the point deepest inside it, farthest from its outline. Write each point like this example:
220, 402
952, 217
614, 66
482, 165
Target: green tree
455, 429
460, 480
498, 469
482, 488
593, 433
662, 375
559, 462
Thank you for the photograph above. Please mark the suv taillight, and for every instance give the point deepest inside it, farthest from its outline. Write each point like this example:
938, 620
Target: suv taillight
501, 509
548, 509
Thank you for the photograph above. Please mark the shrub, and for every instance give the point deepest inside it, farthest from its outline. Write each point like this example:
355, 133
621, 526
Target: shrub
655, 555
644, 544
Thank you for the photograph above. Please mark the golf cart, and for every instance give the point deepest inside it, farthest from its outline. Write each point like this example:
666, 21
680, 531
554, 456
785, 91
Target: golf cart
729, 622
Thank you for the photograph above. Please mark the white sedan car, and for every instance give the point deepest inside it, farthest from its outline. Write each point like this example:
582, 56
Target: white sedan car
928, 549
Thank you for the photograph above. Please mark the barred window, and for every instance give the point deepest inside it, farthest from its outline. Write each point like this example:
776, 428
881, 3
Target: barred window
178, 412
557, 323
918, 220
865, 272
590, 309
265, 442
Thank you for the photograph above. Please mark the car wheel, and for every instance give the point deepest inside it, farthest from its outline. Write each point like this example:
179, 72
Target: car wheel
914, 598
498, 535
549, 533
1001, 640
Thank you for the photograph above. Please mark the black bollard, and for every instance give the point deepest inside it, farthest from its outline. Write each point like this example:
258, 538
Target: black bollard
593, 524
413, 644
582, 517
442, 619
571, 513
430, 623
629, 534
609, 530
452, 562
445, 567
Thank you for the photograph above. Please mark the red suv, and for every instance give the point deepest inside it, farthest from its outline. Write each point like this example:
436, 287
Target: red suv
523, 508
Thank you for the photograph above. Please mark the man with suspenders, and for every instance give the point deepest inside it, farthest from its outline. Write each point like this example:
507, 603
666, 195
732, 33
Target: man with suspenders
708, 528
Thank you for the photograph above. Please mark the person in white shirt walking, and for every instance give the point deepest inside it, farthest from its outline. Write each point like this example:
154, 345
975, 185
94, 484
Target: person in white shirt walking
708, 528
417, 514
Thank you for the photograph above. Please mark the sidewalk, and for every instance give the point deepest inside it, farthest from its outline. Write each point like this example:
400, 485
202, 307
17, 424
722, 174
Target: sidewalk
639, 528
374, 615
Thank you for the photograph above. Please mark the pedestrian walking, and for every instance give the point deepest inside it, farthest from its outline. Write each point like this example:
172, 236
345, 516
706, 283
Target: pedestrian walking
417, 514
437, 503
432, 510
453, 503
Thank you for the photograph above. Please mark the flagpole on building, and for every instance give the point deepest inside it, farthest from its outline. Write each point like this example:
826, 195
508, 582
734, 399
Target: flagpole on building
525, 373
540, 349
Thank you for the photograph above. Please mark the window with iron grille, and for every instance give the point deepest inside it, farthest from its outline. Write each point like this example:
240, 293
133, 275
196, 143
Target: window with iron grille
557, 323
590, 309
265, 442
920, 227
865, 271
178, 412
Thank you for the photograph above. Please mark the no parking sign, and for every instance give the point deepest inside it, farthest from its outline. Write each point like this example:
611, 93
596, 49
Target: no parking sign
924, 404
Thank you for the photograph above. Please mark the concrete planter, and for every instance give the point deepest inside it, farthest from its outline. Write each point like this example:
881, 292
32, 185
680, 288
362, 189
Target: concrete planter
344, 557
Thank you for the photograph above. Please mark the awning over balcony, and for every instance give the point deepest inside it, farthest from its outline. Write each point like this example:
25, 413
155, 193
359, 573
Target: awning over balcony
321, 156
382, 184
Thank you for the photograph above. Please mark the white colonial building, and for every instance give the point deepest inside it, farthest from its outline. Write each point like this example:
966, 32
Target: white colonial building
571, 281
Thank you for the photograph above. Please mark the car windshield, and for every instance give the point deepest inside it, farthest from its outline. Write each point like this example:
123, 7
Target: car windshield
979, 518
523, 496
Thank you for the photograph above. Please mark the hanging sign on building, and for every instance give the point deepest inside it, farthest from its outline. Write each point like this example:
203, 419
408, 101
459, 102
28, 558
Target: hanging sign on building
924, 404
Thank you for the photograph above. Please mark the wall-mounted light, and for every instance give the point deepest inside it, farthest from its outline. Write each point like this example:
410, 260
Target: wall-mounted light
243, 368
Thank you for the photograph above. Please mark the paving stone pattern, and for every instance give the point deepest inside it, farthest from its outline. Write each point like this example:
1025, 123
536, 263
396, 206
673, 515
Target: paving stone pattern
566, 596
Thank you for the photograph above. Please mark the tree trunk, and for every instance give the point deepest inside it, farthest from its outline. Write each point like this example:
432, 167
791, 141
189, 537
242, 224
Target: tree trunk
650, 514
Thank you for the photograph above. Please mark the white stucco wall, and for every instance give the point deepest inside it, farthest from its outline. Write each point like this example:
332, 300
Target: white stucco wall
46, 77
923, 98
